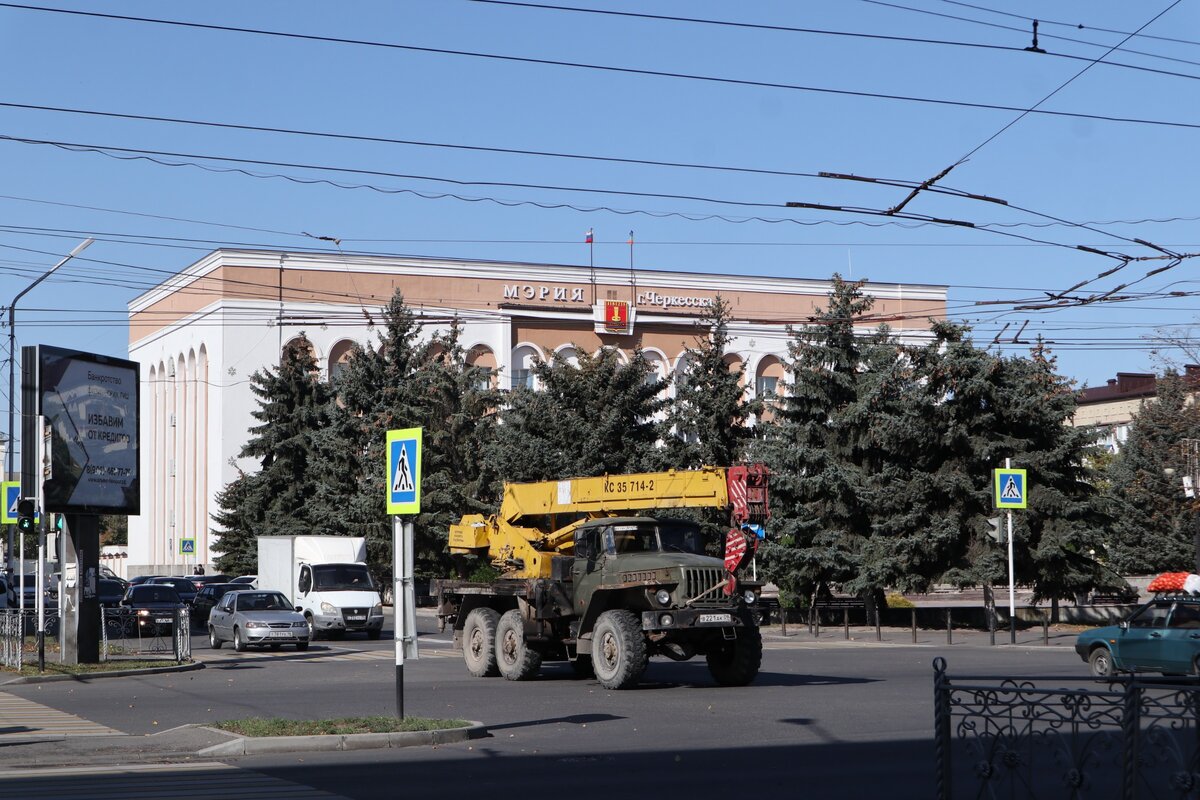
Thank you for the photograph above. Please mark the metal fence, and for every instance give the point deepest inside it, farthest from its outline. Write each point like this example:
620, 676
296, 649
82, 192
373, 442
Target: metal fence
131, 632
123, 632
1127, 738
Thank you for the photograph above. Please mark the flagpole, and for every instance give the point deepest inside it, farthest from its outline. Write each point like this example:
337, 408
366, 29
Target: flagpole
632, 274
592, 262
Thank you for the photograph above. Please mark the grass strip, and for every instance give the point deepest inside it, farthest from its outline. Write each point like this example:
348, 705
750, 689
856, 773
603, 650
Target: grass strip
257, 726
54, 668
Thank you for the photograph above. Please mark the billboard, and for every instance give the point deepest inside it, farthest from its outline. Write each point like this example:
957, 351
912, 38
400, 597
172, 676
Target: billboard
90, 403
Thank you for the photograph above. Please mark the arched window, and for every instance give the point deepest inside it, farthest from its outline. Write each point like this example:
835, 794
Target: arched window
522, 366
568, 354
481, 356
339, 358
768, 379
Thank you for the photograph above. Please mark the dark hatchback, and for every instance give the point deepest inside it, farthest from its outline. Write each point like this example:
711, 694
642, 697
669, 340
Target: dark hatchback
154, 606
207, 598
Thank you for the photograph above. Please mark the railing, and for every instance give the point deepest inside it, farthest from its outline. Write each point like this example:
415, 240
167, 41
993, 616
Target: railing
122, 633
126, 632
1120, 738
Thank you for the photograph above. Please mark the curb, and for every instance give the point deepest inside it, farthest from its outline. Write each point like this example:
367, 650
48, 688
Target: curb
259, 745
116, 673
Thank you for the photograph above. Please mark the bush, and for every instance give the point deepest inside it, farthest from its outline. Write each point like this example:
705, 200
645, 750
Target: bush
484, 573
897, 600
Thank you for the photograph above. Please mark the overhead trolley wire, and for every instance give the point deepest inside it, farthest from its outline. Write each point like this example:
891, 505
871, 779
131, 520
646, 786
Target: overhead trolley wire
601, 67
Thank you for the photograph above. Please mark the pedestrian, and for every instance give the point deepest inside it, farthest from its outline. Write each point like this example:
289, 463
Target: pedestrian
199, 570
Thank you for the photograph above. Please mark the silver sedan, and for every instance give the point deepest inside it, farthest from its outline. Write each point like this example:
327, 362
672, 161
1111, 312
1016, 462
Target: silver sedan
253, 618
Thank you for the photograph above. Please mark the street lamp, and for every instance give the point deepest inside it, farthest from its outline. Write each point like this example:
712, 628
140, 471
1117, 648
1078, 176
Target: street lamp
12, 363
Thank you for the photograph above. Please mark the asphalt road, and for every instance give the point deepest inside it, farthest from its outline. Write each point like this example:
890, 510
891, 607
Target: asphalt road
825, 718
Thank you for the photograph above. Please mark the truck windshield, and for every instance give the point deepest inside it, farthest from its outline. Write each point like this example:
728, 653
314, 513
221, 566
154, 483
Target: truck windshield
669, 536
680, 537
341, 577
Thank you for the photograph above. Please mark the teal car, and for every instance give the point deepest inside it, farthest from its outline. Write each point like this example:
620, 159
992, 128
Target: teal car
1161, 636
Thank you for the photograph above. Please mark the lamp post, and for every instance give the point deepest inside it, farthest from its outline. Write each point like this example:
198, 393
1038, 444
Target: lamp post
12, 363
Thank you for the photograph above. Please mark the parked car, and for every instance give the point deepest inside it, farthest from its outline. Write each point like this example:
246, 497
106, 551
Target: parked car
29, 589
207, 599
253, 618
110, 591
154, 606
1162, 635
184, 586
252, 580
200, 581
138, 580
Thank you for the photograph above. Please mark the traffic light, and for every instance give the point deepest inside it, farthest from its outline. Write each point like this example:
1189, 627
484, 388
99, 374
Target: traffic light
996, 532
25, 512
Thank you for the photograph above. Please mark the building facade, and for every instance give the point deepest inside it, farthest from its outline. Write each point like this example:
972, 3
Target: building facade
200, 335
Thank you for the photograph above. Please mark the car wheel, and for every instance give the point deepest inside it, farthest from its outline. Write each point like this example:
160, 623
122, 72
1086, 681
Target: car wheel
618, 650
516, 660
1101, 663
479, 642
214, 641
312, 627
239, 643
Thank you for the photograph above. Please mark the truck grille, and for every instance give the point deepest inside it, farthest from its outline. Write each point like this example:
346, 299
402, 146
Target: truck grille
698, 580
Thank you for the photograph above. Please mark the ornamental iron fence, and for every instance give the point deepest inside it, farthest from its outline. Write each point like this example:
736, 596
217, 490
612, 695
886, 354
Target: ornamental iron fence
137, 632
1127, 737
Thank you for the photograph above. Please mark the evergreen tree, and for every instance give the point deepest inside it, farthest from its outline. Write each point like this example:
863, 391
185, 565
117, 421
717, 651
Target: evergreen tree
710, 412
402, 382
593, 418
820, 449
292, 405
1157, 525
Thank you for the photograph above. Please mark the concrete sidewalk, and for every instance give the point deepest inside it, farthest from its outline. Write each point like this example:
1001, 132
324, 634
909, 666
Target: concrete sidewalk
1062, 636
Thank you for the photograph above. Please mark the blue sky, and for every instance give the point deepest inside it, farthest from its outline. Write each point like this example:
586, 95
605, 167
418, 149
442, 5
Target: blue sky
1050, 170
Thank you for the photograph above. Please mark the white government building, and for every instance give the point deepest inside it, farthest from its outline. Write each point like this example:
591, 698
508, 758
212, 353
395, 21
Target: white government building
202, 333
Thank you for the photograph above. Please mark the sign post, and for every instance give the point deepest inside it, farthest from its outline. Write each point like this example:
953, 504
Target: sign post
403, 450
1010, 490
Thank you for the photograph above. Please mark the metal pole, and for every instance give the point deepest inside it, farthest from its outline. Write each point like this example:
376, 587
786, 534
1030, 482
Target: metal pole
1012, 591
846, 621
914, 625
949, 626
12, 363
397, 610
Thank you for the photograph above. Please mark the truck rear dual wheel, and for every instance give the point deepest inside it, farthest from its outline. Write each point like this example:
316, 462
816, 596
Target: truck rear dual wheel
479, 642
516, 660
736, 662
618, 650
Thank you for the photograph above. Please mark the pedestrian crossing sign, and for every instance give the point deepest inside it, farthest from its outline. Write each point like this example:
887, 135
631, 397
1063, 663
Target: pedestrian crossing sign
12, 494
404, 471
1010, 488
187, 547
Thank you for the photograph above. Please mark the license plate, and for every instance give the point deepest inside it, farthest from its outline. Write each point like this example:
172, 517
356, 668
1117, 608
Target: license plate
715, 618
282, 634
162, 620
356, 618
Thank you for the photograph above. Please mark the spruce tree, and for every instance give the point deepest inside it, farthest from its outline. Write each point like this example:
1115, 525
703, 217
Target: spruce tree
710, 413
820, 449
1157, 525
595, 417
277, 499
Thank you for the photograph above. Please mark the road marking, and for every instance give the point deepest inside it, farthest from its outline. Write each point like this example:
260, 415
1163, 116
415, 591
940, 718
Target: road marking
20, 717
161, 781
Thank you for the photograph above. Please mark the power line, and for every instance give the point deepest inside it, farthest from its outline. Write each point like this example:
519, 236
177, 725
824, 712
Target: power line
835, 33
604, 68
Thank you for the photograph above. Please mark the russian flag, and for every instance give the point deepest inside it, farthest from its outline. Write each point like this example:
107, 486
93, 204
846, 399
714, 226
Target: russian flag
587, 237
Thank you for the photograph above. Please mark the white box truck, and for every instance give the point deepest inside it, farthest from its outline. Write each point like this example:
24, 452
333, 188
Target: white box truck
326, 579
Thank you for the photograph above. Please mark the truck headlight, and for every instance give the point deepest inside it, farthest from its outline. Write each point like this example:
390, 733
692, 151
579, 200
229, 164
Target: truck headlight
750, 597
377, 610
663, 597
327, 608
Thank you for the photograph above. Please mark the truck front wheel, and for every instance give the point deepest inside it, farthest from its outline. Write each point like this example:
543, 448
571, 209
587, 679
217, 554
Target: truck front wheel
479, 642
736, 663
515, 658
618, 650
